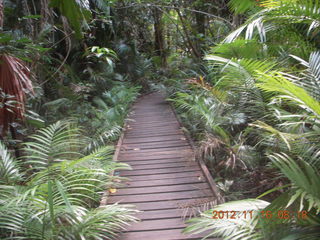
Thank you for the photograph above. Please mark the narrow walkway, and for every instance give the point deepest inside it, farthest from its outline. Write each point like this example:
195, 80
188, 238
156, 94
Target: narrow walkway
165, 181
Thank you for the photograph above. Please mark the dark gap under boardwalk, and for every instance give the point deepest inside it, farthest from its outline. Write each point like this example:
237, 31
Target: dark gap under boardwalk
165, 176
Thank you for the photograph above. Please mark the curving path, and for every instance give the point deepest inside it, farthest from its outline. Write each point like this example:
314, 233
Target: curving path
166, 184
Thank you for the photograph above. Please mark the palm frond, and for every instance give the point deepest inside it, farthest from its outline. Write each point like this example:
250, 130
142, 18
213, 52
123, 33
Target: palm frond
55, 143
241, 227
102, 137
311, 78
241, 6
305, 180
274, 135
273, 15
102, 223
14, 81
9, 167
289, 91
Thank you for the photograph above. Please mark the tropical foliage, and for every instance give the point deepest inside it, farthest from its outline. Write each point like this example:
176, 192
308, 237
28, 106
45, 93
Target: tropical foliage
52, 191
259, 111
244, 76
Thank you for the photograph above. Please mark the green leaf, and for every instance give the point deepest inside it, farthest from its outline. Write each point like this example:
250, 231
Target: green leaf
76, 15
32, 17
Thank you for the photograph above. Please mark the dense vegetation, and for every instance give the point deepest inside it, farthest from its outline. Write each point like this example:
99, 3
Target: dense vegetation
244, 76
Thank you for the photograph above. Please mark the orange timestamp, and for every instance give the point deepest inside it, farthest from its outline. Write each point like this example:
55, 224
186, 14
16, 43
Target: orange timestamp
279, 214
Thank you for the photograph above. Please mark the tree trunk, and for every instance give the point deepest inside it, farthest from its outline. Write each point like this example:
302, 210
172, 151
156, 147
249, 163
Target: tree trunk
236, 21
45, 13
26, 12
190, 43
159, 43
1, 15
200, 30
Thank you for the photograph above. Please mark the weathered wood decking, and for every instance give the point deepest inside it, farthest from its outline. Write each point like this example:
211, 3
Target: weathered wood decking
165, 176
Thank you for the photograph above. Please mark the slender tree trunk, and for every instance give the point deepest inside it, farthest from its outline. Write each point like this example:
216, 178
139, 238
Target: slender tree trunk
168, 39
201, 21
15, 135
200, 30
190, 43
45, 13
1, 15
236, 21
159, 42
26, 11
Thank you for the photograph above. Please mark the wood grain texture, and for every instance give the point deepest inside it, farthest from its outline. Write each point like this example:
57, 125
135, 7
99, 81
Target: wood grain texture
165, 179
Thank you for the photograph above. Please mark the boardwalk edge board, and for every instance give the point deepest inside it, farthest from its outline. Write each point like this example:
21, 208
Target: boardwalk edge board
105, 195
203, 166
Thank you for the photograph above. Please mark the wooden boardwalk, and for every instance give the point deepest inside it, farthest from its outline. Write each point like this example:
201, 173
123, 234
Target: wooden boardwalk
165, 181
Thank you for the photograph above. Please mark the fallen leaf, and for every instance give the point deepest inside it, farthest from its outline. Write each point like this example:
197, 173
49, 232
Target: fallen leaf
112, 190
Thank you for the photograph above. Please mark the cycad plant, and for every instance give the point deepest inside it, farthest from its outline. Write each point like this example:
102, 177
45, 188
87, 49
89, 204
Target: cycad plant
53, 191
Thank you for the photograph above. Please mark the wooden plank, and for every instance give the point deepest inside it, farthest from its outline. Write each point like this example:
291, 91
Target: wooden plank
154, 162
172, 234
159, 144
170, 137
154, 197
154, 158
172, 164
165, 205
158, 171
166, 182
162, 189
153, 133
158, 224
163, 117
162, 132
167, 176
157, 157
175, 152
152, 128
141, 150
160, 214
134, 124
